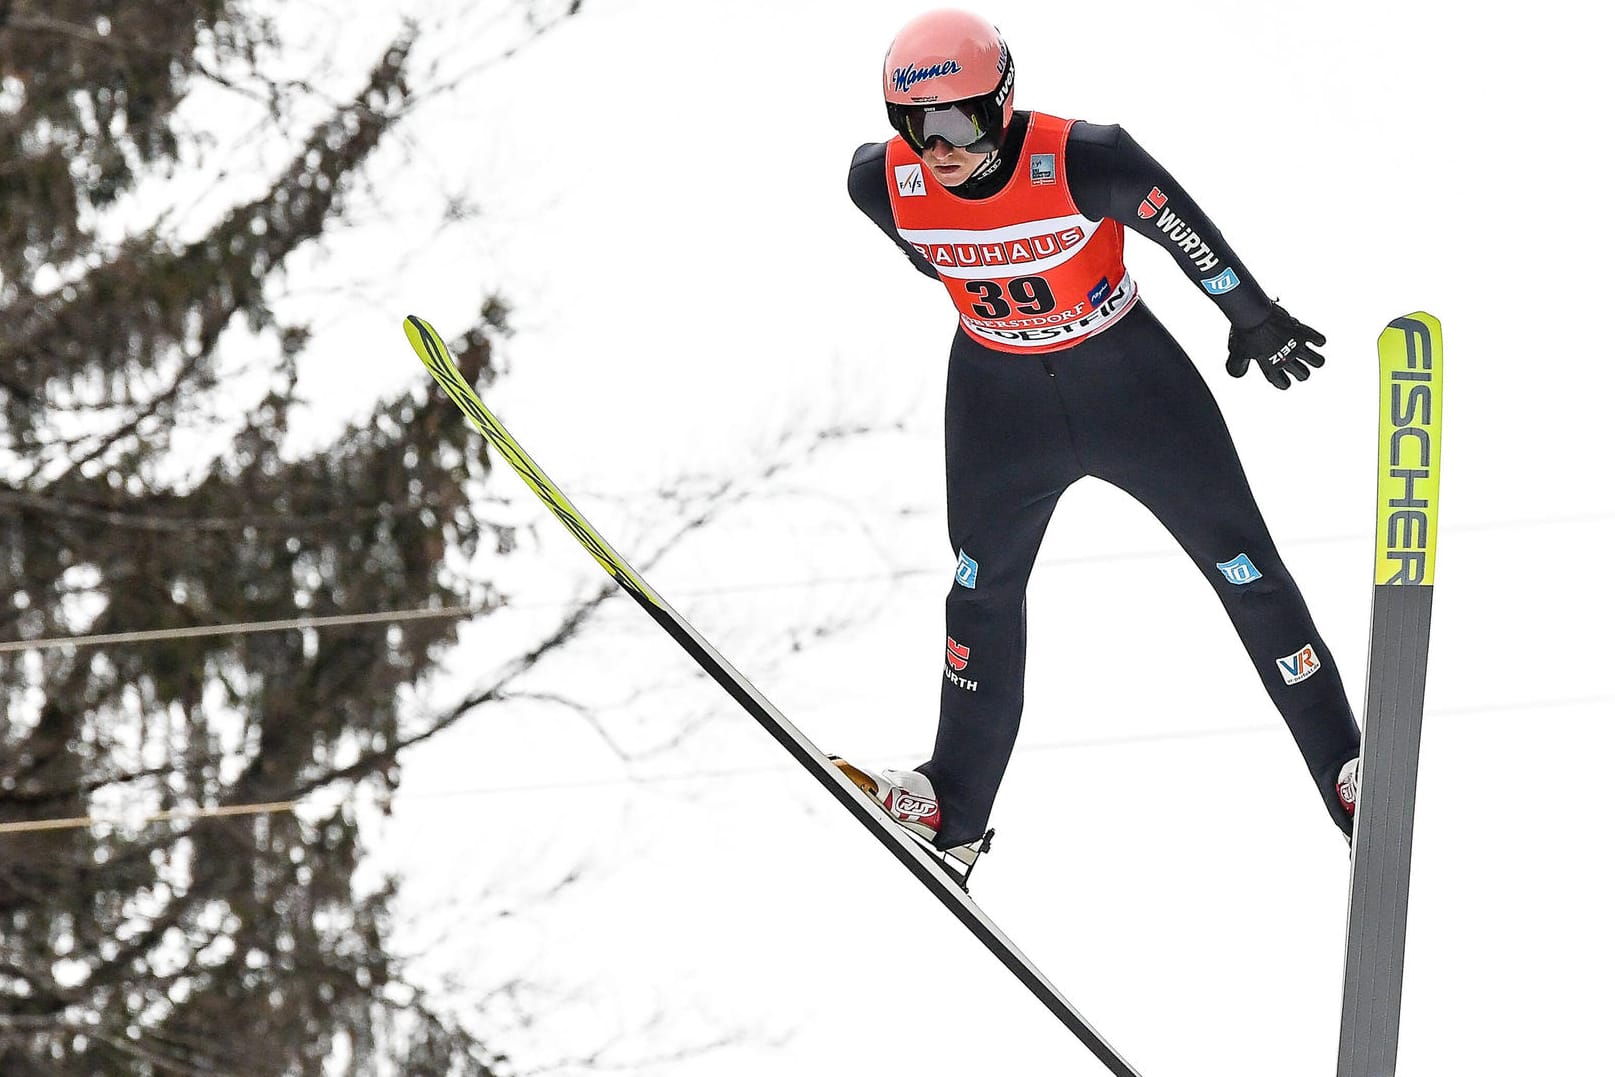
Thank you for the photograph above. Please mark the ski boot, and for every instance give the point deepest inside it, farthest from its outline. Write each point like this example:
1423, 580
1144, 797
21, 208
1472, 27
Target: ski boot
1347, 786
907, 796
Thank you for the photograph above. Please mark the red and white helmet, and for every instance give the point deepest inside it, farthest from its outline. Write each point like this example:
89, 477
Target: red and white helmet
948, 75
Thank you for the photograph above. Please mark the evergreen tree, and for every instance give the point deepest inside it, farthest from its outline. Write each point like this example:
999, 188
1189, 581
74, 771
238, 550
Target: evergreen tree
197, 945
140, 492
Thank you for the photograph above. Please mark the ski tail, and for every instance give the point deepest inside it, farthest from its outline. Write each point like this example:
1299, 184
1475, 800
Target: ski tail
1410, 355
928, 868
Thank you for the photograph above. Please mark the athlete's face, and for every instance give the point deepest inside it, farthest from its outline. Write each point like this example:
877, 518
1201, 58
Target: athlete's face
949, 164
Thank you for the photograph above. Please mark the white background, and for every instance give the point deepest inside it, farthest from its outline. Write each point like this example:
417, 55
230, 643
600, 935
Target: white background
662, 190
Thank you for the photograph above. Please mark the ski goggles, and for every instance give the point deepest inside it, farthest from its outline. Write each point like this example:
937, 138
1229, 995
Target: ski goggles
967, 125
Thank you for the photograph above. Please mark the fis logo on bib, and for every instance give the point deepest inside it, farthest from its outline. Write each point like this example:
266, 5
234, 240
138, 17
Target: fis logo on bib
910, 180
1042, 169
1239, 571
1300, 665
1222, 283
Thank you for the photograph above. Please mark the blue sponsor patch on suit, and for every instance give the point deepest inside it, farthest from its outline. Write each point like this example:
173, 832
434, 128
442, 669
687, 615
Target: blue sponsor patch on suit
1239, 571
967, 571
1099, 292
1042, 169
1222, 283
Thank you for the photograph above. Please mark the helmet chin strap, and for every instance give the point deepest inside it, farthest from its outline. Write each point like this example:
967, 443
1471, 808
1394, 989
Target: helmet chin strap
989, 164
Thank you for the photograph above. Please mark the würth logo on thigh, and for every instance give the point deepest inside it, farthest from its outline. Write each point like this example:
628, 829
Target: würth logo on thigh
958, 659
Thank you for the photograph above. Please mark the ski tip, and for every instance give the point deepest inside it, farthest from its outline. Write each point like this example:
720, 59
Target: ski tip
1422, 317
423, 338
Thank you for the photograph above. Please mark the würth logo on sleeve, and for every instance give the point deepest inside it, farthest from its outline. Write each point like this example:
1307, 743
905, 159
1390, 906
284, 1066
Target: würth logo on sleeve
1188, 240
1152, 203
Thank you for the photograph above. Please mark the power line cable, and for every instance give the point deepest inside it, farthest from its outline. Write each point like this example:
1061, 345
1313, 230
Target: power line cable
114, 639
337, 620
185, 814
81, 822
396, 616
1116, 741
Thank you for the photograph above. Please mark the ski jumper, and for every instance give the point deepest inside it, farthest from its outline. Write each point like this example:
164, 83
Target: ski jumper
1059, 371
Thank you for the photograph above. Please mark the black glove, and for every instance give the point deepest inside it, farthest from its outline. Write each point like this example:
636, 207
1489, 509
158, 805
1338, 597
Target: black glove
1279, 346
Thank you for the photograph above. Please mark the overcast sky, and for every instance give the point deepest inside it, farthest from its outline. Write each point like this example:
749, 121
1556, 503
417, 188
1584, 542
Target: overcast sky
661, 190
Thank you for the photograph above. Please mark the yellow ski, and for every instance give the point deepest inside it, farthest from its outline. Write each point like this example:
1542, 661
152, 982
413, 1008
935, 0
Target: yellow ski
1393, 715
943, 882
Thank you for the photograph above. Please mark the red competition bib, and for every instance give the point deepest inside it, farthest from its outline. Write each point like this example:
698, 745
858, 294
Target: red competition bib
1028, 272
